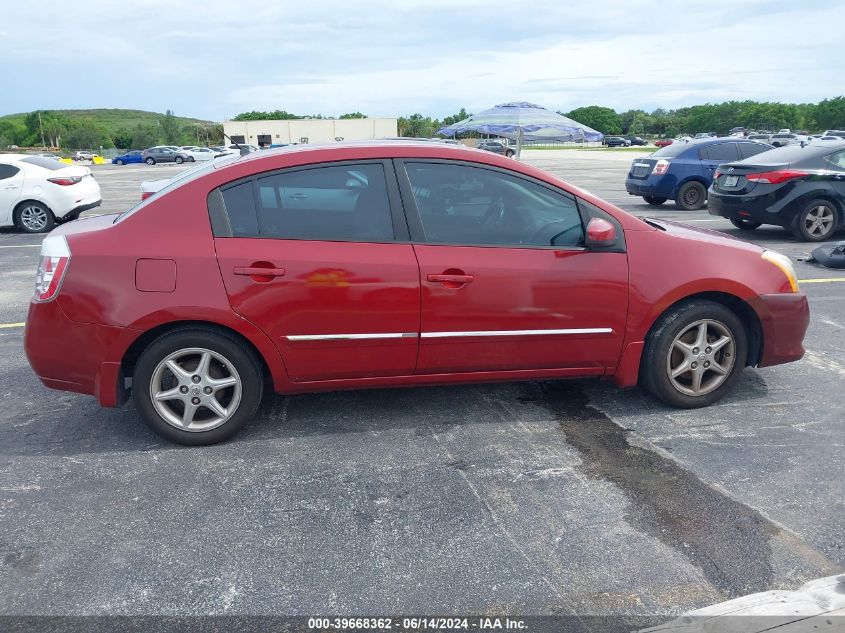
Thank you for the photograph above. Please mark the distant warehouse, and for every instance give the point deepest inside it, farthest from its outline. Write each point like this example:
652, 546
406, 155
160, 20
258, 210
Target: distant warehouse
265, 133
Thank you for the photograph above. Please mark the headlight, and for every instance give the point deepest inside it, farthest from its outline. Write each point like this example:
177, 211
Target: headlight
785, 264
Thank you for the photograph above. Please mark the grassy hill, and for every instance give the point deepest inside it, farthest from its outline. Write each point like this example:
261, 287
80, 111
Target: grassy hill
112, 119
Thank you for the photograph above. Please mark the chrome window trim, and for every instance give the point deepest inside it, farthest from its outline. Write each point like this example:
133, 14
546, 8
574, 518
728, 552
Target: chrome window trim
591, 330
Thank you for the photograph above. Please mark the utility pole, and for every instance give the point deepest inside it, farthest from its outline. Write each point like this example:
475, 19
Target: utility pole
41, 126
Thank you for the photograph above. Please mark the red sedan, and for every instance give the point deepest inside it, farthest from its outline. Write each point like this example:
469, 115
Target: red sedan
663, 142
392, 264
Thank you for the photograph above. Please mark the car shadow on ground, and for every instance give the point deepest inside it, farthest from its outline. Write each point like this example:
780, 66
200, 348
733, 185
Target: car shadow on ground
67, 424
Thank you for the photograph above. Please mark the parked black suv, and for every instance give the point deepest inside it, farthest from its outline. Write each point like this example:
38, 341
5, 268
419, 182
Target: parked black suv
615, 141
636, 140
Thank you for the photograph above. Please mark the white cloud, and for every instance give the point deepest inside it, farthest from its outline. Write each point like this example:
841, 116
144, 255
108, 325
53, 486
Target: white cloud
218, 58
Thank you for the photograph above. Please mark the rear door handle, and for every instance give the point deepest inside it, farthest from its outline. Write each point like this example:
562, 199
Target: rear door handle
454, 279
258, 271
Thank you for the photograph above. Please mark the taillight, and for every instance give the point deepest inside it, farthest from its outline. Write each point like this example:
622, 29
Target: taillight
55, 257
66, 180
146, 194
776, 177
716, 174
660, 167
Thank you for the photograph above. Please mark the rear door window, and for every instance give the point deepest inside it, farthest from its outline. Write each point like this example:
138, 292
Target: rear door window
336, 202
723, 152
8, 171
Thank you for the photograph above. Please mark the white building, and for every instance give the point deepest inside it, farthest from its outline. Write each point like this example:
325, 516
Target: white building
265, 133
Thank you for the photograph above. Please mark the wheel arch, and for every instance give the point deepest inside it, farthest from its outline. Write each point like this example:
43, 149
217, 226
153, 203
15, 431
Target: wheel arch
629, 368
270, 374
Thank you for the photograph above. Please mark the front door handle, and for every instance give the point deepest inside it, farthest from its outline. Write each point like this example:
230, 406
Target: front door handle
258, 271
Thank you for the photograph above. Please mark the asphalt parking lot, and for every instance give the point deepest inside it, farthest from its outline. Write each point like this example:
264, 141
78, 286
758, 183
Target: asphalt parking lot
519, 498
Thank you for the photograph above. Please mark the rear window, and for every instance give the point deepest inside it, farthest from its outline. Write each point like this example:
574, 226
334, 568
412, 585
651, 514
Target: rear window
180, 179
675, 149
47, 163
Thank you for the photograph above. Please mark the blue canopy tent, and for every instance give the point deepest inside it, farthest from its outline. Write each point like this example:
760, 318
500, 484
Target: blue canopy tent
522, 121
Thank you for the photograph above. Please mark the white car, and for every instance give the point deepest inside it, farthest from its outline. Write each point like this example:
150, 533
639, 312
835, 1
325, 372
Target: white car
150, 187
38, 192
199, 154
235, 148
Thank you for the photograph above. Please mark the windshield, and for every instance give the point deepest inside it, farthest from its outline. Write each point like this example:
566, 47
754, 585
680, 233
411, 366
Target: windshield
180, 179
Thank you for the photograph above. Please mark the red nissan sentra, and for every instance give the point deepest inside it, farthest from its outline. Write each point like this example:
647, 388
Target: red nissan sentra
392, 264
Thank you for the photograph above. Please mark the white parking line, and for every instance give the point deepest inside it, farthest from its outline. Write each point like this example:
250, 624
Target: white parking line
22, 246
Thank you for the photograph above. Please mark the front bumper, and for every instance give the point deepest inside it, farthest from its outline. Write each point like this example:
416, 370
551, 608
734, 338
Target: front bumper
784, 318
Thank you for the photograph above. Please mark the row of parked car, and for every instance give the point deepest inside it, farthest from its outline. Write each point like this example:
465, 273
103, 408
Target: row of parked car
800, 187
176, 154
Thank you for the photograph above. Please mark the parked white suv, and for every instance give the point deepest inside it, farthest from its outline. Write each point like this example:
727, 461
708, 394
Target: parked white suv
36, 192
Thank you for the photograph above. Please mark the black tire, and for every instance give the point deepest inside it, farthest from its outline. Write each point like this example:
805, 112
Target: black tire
40, 210
655, 201
800, 227
190, 159
746, 225
227, 346
150, 161
119, 162
509, 153
691, 196
654, 374
179, 160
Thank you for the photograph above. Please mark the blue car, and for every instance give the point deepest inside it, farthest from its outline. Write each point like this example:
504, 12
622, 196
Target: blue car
135, 156
683, 171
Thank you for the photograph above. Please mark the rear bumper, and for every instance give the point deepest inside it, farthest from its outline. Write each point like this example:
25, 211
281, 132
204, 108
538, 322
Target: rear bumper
662, 186
784, 318
754, 208
80, 357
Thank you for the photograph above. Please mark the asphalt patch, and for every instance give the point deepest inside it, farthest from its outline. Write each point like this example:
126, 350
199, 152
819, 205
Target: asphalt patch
731, 543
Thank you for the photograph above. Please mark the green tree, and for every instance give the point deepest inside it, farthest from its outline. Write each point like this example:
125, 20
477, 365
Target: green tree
122, 139
418, 126
605, 120
459, 116
86, 134
12, 133
353, 115
830, 113
47, 125
144, 136
256, 115
169, 128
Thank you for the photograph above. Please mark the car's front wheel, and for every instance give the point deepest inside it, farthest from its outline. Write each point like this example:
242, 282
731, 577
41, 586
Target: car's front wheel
746, 225
817, 221
694, 354
197, 386
34, 217
691, 196
655, 201
119, 161
509, 153
179, 160
150, 161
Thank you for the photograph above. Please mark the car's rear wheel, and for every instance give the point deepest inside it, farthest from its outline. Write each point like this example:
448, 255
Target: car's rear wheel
150, 161
691, 196
694, 354
197, 386
179, 160
817, 221
119, 161
655, 200
34, 217
746, 225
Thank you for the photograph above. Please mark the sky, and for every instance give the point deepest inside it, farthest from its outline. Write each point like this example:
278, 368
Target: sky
212, 59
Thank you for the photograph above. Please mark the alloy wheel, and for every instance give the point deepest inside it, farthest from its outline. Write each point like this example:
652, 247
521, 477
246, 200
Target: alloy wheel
195, 389
819, 220
34, 218
701, 357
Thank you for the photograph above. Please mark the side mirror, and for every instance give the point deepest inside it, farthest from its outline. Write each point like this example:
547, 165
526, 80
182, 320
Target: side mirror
600, 233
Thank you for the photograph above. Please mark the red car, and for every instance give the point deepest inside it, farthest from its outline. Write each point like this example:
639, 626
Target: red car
663, 142
392, 264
